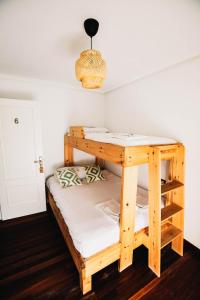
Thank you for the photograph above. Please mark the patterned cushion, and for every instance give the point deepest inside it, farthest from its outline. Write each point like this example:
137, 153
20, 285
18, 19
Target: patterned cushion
67, 177
93, 173
80, 171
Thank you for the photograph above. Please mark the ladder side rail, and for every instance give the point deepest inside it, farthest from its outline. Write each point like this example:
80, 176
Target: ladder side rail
178, 197
68, 152
155, 211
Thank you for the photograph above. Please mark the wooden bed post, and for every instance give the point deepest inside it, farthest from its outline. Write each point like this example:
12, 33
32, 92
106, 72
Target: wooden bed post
68, 152
155, 211
127, 215
99, 162
85, 282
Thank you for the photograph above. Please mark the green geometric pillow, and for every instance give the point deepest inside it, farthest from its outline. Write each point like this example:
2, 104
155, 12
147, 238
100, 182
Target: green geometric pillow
93, 173
67, 177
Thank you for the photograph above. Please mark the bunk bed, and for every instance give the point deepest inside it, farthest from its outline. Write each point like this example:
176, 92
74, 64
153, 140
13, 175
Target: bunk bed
166, 224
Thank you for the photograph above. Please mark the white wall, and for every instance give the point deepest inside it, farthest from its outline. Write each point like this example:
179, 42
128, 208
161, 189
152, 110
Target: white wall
167, 104
60, 107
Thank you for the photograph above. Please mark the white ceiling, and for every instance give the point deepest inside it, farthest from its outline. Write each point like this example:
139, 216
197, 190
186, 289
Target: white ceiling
42, 39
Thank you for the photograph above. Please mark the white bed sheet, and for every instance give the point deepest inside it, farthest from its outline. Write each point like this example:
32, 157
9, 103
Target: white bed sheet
125, 139
91, 230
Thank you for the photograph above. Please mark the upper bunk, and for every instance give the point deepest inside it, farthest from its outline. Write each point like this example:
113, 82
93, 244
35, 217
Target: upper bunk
124, 149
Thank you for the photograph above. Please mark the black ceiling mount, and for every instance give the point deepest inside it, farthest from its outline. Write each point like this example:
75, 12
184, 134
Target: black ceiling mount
91, 27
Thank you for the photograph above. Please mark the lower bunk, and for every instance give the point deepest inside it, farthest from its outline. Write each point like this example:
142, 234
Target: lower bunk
88, 216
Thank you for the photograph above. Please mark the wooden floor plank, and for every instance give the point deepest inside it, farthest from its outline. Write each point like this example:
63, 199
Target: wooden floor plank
156, 281
35, 264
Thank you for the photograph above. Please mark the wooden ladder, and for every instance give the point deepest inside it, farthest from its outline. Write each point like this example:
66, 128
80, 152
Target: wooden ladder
166, 225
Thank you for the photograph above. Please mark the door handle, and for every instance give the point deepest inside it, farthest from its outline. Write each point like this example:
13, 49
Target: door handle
40, 162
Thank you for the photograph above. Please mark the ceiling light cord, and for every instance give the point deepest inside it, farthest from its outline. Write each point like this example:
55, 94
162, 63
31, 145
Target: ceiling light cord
91, 43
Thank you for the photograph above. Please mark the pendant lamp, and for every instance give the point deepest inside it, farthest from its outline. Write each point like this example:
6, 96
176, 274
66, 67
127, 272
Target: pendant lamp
90, 67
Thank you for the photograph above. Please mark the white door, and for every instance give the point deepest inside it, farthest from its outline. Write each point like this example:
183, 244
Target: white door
22, 183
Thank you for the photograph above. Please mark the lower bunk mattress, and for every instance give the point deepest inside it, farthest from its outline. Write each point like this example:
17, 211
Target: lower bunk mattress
91, 212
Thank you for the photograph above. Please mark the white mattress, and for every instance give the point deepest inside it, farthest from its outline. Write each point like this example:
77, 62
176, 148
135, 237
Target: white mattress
91, 229
125, 139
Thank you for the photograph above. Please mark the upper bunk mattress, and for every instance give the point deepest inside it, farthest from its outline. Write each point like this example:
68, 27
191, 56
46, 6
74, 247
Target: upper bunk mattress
126, 139
84, 208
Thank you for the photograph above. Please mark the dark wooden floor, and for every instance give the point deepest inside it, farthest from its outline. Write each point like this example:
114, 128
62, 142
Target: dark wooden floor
35, 264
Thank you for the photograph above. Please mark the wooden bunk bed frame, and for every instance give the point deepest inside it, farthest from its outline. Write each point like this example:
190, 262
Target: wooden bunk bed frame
165, 225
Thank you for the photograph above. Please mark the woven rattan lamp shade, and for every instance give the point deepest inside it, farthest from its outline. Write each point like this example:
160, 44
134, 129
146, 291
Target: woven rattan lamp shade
91, 69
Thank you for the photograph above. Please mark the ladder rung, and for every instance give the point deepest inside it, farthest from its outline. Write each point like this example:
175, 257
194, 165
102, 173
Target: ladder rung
170, 210
170, 186
168, 234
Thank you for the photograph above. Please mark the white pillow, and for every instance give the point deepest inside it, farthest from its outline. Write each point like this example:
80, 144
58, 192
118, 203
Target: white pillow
80, 171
